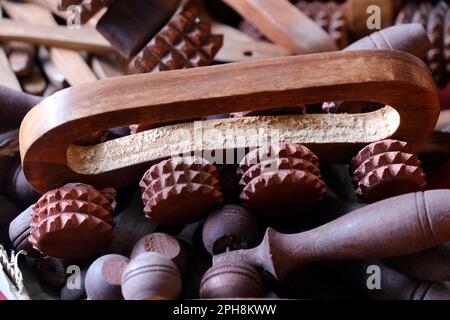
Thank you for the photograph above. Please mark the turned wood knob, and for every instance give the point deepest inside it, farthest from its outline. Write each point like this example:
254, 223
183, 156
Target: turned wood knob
231, 279
230, 227
164, 244
103, 278
151, 276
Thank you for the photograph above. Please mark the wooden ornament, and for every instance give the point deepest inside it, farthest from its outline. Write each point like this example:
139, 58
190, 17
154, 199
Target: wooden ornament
123, 160
104, 276
231, 279
151, 276
164, 244
129, 24
279, 21
71, 222
7, 76
393, 227
230, 227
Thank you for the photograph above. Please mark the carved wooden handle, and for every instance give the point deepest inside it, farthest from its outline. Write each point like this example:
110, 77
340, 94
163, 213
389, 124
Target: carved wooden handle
48, 131
397, 226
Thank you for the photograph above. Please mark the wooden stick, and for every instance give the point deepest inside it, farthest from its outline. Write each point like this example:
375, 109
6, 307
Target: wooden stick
382, 76
7, 76
86, 38
284, 24
70, 63
237, 46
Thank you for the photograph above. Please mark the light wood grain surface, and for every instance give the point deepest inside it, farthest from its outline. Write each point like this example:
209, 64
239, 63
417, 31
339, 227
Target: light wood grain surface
70, 63
282, 22
392, 78
87, 38
237, 46
7, 76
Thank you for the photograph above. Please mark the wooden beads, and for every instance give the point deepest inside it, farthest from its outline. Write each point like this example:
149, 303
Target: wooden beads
230, 227
281, 187
71, 222
385, 169
231, 279
104, 276
151, 276
180, 190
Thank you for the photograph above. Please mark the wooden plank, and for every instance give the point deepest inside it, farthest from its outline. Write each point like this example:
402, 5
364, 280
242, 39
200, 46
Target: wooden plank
87, 38
69, 62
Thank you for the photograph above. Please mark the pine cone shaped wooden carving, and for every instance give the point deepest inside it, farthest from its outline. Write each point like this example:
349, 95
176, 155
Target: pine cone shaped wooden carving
280, 180
72, 222
180, 190
386, 169
185, 42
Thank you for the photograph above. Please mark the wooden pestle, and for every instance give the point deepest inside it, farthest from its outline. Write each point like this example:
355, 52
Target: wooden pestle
14, 105
393, 227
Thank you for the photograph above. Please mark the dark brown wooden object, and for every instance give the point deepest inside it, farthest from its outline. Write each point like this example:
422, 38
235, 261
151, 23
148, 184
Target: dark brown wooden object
129, 24
397, 226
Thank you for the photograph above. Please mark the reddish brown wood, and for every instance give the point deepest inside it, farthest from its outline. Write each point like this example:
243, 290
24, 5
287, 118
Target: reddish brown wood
375, 76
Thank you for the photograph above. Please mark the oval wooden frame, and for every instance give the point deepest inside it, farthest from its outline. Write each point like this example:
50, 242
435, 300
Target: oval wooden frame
394, 78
